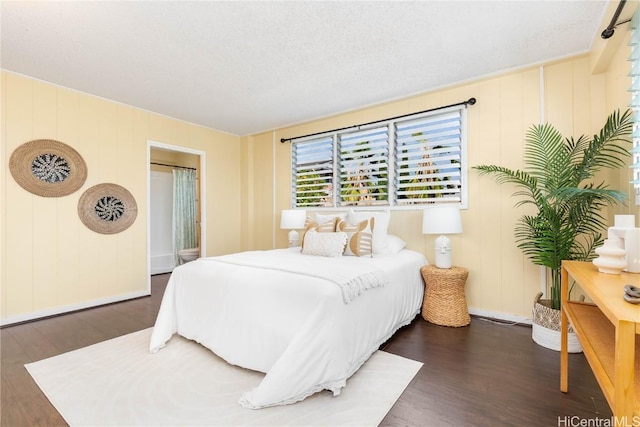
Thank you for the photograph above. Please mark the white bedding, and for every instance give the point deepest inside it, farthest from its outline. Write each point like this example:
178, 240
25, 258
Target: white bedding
296, 328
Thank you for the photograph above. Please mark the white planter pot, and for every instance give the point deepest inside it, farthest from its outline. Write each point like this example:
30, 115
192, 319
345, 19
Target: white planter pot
546, 327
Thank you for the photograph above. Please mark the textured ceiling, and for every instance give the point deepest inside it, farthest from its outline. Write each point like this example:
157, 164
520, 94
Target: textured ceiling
244, 67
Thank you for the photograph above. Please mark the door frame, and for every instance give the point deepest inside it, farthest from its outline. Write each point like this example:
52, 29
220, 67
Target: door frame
203, 195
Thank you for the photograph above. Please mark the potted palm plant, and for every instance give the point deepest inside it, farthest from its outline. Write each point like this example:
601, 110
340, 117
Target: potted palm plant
558, 180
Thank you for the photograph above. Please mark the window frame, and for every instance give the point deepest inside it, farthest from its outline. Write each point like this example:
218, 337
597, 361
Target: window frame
634, 74
392, 179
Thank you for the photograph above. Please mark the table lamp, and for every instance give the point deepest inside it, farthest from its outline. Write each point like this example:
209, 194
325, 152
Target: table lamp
290, 220
442, 220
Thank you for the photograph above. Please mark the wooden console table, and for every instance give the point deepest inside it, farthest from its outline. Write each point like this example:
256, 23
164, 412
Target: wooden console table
607, 331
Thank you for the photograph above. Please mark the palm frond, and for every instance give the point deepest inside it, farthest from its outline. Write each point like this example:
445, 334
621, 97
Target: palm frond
605, 150
543, 152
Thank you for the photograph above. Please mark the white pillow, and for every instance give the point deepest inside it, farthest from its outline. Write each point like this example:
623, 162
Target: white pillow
324, 244
379, 228
395, 244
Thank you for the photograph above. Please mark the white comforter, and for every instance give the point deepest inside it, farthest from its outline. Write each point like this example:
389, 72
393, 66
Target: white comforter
299, 329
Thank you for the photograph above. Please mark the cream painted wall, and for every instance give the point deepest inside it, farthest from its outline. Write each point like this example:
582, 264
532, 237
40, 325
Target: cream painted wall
502, 282
257, 192
50, 262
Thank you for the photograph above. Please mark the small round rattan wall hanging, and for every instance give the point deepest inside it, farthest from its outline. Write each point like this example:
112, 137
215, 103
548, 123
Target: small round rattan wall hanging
107, 208
48, 168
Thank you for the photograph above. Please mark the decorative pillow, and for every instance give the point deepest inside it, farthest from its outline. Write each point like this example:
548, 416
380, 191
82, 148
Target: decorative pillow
322, 218
325, 227
324, 244
359, 238
395, 244
379, 227
328, 226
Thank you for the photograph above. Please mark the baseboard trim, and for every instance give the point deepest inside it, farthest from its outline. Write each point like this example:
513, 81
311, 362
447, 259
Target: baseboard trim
504, 317
11, 320
36, 315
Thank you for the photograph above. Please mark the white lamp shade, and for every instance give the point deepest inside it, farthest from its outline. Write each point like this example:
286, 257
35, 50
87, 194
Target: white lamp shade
441, 220
292, 219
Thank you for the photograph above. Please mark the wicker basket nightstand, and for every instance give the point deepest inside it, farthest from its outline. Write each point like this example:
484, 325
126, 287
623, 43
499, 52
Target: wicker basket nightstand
444, 299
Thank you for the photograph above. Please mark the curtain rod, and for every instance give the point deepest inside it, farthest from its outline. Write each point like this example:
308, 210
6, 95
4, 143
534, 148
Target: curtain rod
173, 166
608, 32
471, 101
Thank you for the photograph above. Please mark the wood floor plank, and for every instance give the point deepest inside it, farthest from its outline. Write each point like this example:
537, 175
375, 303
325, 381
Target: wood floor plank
488, 374
34, 344
23, 404
36, 410
485, 374
57, 330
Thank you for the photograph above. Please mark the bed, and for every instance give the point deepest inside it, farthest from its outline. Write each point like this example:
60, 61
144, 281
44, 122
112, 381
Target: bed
289, 314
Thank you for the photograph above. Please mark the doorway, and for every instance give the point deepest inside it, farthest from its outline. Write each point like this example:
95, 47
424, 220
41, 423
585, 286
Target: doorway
162, 159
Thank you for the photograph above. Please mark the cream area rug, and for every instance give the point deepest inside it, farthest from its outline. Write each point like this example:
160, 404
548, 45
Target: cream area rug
119, 383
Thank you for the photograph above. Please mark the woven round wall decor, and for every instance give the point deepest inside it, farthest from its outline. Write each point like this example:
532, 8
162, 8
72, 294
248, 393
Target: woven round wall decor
48, 168
107, 208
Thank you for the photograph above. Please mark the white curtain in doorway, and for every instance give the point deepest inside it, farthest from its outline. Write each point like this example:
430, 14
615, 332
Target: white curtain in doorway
184, 211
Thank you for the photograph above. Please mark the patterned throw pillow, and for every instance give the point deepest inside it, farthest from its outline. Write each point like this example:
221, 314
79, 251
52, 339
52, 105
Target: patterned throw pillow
359, 238
324, 244
379, 227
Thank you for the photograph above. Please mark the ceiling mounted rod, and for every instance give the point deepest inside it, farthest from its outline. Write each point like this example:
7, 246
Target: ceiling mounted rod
608, 32
471, 101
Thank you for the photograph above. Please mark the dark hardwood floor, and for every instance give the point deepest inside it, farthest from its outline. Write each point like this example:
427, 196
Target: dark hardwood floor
485, 374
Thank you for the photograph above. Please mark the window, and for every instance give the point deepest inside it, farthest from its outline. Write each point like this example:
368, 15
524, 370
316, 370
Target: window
313, 173
412, 160
428, 156
635, 101
363, 159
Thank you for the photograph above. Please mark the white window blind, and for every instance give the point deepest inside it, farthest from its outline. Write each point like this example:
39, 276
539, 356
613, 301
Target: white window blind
312, 164
364, 167
634, 58
404, 161
428, 159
